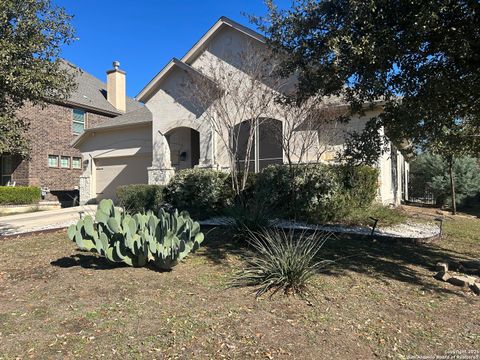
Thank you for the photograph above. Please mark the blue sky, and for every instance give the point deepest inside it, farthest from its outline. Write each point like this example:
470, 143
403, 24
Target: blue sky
144, 35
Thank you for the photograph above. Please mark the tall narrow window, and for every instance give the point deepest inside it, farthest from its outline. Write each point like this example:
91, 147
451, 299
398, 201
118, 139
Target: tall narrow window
78, 124
265, 144
65, 162
76, 163
53, 161
5, 169
394, 165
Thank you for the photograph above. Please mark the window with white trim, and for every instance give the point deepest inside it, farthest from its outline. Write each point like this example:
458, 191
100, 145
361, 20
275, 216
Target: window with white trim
76, 163
65, 162
53, 161
78, 121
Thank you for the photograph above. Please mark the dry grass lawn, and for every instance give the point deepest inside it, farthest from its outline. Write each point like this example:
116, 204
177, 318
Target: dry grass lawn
376, 301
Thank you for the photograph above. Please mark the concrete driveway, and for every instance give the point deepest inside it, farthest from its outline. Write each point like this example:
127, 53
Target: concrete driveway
42, 220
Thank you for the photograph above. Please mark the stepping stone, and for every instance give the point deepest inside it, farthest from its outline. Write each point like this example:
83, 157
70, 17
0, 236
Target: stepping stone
443, 276
462, 280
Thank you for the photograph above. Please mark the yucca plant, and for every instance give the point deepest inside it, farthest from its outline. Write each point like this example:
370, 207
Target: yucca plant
281, 261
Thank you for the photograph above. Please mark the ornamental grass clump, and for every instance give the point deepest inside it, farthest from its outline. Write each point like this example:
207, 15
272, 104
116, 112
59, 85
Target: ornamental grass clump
281, 261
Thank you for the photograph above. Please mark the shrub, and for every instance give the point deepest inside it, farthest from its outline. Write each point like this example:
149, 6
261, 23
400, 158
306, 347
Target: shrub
202, 192
310, 192
281, 261
140, 197
19, 195
317, 192
359, 184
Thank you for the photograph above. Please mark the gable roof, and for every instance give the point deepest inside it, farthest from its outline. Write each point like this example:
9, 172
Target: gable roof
188, 58
91, 93
141, 116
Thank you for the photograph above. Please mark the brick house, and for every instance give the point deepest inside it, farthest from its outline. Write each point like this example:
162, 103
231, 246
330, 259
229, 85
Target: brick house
54, 165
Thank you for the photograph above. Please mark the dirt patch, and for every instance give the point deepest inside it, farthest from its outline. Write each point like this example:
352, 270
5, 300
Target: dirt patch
376, 300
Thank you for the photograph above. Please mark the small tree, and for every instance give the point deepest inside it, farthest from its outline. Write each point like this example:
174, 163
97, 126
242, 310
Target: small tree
310, 128
252, 89
430, 172
227, 96
32, 33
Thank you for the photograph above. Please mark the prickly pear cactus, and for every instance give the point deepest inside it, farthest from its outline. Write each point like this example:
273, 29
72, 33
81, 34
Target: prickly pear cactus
135, 240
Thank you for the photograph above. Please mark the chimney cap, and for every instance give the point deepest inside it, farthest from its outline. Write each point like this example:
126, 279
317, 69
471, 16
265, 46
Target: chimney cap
116, 64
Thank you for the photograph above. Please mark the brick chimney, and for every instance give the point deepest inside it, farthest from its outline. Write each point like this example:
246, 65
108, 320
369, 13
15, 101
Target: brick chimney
116, 87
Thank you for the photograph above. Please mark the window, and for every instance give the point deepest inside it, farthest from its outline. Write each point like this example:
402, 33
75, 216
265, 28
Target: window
76, 163
78, 124
265, 138
52, 160
5, 169
65, 162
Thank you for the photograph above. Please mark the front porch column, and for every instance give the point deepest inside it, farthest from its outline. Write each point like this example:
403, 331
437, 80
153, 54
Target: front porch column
160, 176
85, 189
161, 170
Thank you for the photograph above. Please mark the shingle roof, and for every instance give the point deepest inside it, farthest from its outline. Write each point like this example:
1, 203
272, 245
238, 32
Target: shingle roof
141, 116
91, 92
138, 116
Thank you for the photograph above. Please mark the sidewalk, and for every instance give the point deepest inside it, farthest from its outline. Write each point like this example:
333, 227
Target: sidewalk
42, 220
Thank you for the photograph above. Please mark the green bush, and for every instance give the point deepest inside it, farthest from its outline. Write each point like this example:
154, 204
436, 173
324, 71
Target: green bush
359, 184
163, 239
317, 192
202, 192
19, 195
140, 197
310, 193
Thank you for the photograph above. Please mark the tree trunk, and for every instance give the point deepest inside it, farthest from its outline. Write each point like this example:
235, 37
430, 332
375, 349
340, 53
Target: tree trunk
452, 185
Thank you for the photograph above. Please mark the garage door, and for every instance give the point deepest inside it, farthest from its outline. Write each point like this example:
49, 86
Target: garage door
113, 172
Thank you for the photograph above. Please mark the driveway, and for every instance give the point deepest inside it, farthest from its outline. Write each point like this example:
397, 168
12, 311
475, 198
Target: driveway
42, 220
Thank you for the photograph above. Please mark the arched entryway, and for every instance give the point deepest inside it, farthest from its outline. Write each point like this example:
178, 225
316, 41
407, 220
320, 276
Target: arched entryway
184, 143
266, 147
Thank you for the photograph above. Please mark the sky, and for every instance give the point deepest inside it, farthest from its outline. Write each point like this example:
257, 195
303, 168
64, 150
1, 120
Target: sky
145, 35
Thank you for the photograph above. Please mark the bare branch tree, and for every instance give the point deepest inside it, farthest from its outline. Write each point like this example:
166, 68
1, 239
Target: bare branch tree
310, 128
236, 93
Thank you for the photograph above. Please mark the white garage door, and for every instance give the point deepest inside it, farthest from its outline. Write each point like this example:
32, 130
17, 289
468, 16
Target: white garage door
113, 172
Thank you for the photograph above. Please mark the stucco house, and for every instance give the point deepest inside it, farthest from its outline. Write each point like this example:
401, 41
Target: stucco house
54, 165
168, 134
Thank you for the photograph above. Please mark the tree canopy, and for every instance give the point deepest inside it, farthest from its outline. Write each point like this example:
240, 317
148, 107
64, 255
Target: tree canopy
420, 58
32, 33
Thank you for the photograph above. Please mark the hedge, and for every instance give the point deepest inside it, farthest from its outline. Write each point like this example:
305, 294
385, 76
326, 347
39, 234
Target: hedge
316, 192
309, 192
140, 197
312, 192
202, 192
19, 195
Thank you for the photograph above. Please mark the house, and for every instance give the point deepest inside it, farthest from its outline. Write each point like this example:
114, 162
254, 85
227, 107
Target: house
54, 165
171, 133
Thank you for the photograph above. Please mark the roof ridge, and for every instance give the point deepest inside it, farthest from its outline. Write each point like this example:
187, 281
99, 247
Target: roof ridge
223, 20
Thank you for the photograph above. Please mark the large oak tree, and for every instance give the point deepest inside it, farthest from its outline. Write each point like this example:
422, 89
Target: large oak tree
32, 33
421, 58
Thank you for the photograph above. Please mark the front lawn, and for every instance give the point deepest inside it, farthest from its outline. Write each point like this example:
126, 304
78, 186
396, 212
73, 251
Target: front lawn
377, 299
